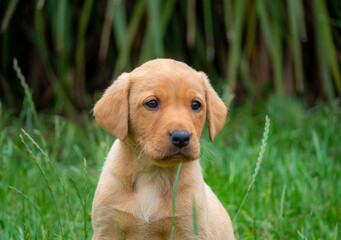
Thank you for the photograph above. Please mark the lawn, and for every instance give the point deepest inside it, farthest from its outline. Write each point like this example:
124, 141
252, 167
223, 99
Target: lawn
48, 175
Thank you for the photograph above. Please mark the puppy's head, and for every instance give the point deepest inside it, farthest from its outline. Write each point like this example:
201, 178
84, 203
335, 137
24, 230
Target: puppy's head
162, 107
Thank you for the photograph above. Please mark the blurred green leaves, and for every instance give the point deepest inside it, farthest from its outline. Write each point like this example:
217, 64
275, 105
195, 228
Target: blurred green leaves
70, 50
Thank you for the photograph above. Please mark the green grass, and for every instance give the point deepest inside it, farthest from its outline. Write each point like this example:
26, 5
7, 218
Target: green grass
47, 183
47, 186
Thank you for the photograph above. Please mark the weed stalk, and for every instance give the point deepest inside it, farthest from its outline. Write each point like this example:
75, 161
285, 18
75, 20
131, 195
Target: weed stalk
259, 161
173, 201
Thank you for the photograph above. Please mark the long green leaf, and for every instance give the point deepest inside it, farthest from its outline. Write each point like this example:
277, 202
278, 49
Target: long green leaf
107, 26
228, 15
152, 46
61, 23
250, 42
195, 220
155, 26
28, 95
80, 46
166, 15
324, 28
119, 23
129, 38
8, 15
294, 22
235, 44
173, 201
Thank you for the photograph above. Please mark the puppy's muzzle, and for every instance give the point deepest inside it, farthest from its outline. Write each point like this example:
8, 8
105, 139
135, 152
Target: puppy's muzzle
180, 138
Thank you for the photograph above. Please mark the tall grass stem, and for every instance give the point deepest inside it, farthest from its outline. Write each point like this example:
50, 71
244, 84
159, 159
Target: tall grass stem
85, 194
281, 211
258, 164
195, 222
173, 201
28, 95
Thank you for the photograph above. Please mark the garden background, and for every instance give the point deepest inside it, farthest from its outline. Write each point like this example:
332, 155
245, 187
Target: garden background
275, 58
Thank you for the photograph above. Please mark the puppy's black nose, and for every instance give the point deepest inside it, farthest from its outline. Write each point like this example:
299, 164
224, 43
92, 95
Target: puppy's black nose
180, 138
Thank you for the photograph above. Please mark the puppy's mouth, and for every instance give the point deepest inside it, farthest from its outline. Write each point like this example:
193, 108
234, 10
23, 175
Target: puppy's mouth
178, 155
163, 153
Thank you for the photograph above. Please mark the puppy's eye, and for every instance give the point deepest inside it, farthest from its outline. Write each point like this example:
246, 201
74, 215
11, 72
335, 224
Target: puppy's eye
152, 104
196, 106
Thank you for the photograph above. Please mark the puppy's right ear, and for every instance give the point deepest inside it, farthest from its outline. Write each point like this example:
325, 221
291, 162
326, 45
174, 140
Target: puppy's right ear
111, 111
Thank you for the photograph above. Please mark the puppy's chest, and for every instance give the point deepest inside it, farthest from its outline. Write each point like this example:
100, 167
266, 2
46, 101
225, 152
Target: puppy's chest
151, 200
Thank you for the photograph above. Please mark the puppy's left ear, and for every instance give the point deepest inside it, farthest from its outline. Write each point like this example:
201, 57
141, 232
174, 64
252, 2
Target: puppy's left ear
111, 111
216, 110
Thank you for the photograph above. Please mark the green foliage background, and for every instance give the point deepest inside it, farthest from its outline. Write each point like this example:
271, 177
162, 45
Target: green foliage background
71, 50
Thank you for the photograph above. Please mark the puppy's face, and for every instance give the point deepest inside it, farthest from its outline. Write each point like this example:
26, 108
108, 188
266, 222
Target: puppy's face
162, 107
167, 113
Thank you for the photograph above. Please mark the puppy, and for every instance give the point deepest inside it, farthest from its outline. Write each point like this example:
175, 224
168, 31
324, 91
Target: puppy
158, 112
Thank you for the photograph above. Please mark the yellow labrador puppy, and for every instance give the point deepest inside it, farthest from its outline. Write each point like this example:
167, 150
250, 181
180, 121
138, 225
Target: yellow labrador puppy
158, 112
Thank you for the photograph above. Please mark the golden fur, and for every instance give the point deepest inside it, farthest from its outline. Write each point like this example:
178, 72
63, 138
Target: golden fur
135, 188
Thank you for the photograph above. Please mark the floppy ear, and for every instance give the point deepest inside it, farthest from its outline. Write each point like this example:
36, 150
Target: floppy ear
216, 110
111, 111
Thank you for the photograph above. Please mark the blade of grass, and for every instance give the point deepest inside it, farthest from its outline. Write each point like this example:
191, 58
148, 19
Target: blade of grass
40, 3
120, 230
166, 15
228, 16
59, 138
321, 16
63, 42
301, 21
155, 25
336, 231
85, 193
107, 25
294, 19
190, 36
80, 46
195, 223
258, 164
8, 14
27, 93
147, 50
61, 23
281, 211
327, 84
129, 38
173, 200
119, 23
235, 44
251, 30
